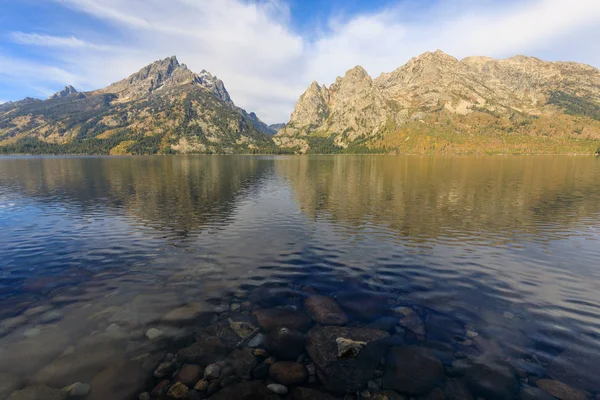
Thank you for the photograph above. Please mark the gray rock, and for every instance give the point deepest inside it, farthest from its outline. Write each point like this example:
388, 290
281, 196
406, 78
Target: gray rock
412, 370
278, 389
345, 375
256, 341
153, 333
212, 371
38, 392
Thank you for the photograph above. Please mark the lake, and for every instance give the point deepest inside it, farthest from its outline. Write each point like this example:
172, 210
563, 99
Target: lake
446, 277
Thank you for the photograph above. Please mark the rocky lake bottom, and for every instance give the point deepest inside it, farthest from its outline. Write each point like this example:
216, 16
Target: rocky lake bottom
299, 278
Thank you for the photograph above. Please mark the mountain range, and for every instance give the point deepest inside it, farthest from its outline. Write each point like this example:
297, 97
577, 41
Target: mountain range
163, 108
434, 104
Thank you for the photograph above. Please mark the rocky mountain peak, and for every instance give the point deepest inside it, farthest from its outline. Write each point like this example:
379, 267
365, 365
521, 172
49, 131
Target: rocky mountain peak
214, 84
67, 91
357, 73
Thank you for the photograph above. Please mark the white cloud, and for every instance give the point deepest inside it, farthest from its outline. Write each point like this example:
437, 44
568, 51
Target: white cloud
54, 41
266, 65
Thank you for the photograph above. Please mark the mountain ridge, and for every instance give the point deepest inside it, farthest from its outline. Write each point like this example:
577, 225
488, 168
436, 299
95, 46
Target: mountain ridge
433, 104
162, 108
438, 95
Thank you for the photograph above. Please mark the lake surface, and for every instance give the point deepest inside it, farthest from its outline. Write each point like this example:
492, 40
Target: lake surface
498, 258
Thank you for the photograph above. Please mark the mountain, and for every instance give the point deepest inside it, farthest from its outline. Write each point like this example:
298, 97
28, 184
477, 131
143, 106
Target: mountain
438, 104
67, 91
163, 108
276, 127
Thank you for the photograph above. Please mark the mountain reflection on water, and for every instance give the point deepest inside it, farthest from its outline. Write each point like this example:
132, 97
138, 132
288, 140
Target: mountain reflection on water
497, 257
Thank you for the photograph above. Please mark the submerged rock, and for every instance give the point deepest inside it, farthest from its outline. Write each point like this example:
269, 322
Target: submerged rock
278, 389
153, 333
492, 381
412, 370
189, 374
348, 348
274, 318
362, 305
345, 375
119, 382
83, 364
276, 296
206, 350
533, 393
178, 391
457, 390
243, 362
410, 320
248, 390
288, 373
39, 392
212, 371
285, 343
325, 310
187, 313
560, 390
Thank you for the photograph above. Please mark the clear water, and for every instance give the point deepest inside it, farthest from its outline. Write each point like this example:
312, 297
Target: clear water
508, 247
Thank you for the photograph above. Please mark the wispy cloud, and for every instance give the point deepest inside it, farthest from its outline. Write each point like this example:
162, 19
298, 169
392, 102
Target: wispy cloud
54, 41
266, 65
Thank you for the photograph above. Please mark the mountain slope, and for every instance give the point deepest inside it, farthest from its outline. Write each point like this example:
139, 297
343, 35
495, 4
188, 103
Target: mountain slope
162, 108
436, 103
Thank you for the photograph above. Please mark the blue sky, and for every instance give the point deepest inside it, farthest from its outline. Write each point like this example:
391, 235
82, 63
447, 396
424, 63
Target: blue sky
267, 52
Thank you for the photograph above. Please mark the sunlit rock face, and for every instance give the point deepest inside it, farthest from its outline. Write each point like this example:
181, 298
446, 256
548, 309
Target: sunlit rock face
517, 91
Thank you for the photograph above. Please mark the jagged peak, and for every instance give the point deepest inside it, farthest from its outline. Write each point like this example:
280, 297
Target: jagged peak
67, 90
358, 72
435, 55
